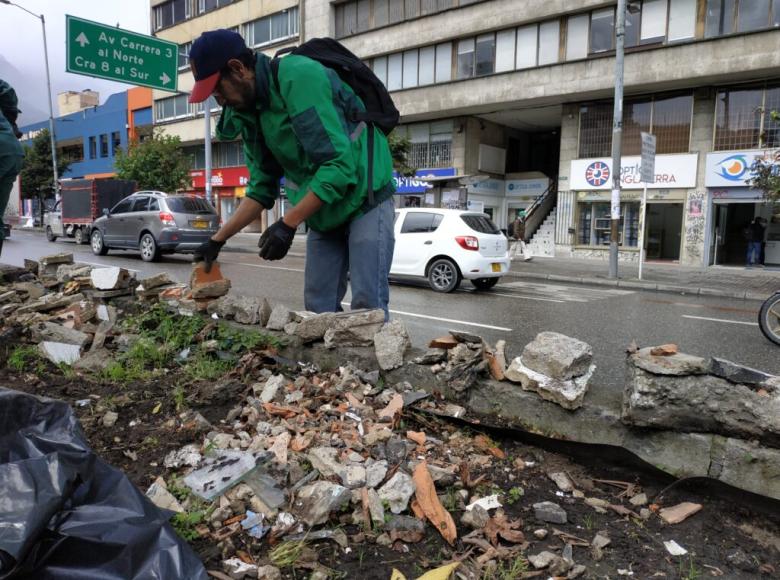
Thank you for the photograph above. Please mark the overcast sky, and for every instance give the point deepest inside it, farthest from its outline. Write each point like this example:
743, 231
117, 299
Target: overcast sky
21, 48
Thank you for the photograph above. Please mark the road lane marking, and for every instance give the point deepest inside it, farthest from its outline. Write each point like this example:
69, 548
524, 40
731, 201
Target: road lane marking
266, 267
414, 315
720, 320
531, 298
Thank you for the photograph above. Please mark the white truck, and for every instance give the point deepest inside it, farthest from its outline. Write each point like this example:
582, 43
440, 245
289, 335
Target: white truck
81, 202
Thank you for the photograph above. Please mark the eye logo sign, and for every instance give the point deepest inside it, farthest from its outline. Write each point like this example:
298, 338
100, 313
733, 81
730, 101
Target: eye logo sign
733, 168
597, 173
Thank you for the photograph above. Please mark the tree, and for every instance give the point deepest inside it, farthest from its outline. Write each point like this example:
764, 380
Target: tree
765, 170
36, 175
399, 151
158, 163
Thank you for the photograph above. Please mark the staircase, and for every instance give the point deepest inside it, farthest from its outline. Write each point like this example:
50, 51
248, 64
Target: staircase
542, 243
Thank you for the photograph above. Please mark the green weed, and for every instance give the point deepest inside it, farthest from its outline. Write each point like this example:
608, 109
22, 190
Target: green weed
587, 521
689, 572
185, 522
507, 570
287, 554
21, 356
206, 368
514, 495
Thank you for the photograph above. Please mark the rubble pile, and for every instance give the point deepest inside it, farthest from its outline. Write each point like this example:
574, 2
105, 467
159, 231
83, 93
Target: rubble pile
344, 457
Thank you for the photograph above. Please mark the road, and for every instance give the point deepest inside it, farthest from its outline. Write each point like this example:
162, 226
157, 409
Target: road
516, 310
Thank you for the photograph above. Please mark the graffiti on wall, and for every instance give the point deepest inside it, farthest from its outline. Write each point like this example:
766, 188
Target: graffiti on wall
694, 225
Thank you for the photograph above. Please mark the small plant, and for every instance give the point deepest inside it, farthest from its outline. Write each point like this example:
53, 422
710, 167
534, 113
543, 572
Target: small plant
184, 523
287, 554
450, 501
587, 521
206, 368
21, 356
510, 570
124, 372
514, 495
67, 370
179, 396
689, 572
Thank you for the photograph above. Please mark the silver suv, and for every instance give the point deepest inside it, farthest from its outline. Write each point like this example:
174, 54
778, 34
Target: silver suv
154, 223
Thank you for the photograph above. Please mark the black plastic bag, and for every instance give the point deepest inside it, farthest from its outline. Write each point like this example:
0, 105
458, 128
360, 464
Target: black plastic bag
66, 514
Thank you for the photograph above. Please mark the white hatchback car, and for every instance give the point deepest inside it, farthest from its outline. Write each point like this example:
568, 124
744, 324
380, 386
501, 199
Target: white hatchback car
446, 246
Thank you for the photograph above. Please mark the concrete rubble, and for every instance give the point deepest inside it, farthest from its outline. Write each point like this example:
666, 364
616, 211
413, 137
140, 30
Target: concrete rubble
306, 448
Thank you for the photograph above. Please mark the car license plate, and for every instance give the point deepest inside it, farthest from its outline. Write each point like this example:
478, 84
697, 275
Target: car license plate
200, 224
496, 267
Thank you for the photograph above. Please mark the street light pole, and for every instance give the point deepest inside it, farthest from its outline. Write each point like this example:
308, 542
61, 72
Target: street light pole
52, 136
617, 138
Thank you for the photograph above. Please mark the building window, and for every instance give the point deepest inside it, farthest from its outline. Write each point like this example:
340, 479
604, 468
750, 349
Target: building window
577, 37
743, 118
653, 28
410, 69
602, 30
444, 62
229, 154
92, 148
430, 143
729, 16
527, 46
466, 58
668, 118
104, 145
395, 72
72, 153
379, 66
682, 19
356, 16
505, 50
172, 108
427, 65
594, 224
184, 55
208, 5
273, 28
171, 13
197, 156
549, 42
116, 142
485, 54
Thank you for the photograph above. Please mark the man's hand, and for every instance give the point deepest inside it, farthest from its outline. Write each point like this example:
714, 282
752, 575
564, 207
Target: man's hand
276, 241
208, 252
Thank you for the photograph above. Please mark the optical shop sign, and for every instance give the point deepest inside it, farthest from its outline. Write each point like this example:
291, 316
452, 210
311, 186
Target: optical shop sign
671, 171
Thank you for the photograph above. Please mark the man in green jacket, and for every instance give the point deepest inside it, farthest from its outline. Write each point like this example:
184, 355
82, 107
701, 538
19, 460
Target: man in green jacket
301, 128
11, 153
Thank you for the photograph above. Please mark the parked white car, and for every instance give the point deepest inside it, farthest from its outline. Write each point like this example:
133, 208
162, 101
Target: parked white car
446, 245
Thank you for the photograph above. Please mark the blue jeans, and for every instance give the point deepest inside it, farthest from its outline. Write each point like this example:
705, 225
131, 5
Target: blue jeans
362, 249
753, 253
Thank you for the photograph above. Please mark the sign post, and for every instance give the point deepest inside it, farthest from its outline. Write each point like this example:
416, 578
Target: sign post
106, 52
647, 175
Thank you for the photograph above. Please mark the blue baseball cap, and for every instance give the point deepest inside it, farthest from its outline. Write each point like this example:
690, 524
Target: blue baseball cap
209, 55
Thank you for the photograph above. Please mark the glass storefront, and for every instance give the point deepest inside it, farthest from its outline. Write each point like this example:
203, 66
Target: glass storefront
594, 224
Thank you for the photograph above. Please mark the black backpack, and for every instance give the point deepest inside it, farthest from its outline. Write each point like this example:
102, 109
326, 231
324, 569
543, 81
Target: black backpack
380, 109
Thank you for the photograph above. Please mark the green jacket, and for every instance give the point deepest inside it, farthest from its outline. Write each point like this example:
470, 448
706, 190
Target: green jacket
302, 131
9, 144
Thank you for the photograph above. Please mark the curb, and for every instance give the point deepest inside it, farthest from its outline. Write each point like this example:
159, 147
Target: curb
638, 285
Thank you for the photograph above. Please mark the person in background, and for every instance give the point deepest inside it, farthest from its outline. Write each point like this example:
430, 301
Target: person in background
518, 232
11, 153
755, 236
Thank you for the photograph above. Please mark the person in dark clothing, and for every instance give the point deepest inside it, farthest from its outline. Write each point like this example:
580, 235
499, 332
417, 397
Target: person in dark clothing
11, 153
755, 235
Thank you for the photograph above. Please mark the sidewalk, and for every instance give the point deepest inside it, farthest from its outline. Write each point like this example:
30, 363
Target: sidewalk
721, 281
730, 282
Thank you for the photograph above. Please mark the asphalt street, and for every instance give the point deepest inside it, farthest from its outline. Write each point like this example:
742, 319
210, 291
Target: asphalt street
515, 310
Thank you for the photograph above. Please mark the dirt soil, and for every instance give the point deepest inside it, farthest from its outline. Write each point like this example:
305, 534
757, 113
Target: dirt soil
734, 536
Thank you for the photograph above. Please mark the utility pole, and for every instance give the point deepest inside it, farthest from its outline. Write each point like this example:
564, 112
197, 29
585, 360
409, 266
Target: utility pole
207, 145
52, 136
617, 138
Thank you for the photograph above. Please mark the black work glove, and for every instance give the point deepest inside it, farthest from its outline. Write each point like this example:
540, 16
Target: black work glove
208, 252
276, 241
17, 133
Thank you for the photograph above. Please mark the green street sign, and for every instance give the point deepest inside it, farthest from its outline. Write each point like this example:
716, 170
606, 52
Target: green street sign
97, 50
